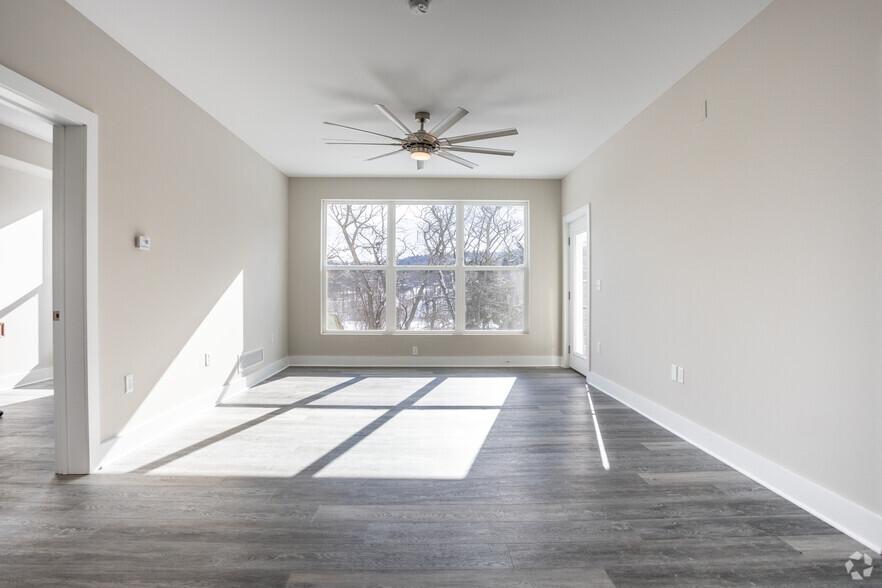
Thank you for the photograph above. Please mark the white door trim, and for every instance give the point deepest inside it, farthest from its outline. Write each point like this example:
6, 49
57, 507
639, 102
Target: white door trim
579, 213
74, 267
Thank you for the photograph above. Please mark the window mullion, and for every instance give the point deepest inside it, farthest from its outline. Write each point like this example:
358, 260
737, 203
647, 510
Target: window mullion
391, 293
459, 275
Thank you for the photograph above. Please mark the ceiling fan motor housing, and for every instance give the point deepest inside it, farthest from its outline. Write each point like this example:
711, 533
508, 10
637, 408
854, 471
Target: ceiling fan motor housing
421, 141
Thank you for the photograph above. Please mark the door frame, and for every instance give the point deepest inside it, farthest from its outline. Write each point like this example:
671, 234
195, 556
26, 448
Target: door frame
74, 268
583, 212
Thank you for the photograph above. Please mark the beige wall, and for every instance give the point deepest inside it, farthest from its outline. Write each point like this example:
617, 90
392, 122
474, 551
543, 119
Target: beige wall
25, 258
215, 278
304, 336
746, 247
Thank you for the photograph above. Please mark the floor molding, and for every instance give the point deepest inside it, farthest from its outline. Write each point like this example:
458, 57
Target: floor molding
423, 361
852, 519
128, 441
26, 378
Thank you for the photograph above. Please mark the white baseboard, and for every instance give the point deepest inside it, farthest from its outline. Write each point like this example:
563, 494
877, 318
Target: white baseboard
423, 361
852, 519
126, 442
26, 378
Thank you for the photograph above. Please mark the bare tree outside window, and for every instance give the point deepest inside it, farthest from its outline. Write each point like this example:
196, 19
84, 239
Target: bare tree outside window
494, 235
435, 248
425, 235
494, 238
356, 300
356, 236
426, 300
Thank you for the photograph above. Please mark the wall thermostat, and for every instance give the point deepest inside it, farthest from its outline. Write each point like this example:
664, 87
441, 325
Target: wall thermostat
142, 243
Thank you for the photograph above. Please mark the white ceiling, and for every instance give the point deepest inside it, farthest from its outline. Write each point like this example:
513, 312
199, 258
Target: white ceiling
567, 73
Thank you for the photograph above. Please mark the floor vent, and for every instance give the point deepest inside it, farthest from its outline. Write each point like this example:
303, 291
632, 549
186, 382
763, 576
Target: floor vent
250, 358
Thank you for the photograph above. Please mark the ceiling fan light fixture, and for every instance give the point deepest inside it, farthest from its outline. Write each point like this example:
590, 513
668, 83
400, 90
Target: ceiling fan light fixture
420, 155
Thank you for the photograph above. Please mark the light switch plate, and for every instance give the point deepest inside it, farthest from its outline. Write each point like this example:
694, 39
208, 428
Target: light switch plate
680, 374
674, 372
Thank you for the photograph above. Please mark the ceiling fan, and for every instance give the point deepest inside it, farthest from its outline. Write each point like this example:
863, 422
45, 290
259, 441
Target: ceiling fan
422, 144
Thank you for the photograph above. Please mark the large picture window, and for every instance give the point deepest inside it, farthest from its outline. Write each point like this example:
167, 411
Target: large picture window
430, 267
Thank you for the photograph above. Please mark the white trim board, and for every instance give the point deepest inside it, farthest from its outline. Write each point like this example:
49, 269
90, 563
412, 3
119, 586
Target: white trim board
423, 361
128, 441
579, 213
852, 519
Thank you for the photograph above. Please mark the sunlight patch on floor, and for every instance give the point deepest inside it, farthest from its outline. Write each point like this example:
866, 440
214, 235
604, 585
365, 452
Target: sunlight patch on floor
335, 426
374, 392
432, 444
279, 446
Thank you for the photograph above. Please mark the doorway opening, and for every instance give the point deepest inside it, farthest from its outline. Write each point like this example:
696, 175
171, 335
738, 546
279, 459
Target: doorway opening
577, 291
25, 257
74, 266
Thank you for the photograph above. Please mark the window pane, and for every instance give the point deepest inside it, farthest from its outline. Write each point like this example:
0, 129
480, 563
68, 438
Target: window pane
494, 234
495, 300
356, 300
426, 300
425, 234
356, 234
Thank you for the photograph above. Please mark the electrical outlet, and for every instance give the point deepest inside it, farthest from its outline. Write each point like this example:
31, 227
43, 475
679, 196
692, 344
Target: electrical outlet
130, 383
415, 350
680, 374
207, 359
598, 285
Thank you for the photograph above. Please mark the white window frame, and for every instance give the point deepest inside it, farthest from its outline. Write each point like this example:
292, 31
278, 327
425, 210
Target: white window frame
391, 268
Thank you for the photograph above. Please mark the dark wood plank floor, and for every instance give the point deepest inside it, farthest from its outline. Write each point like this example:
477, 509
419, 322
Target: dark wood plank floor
535, 508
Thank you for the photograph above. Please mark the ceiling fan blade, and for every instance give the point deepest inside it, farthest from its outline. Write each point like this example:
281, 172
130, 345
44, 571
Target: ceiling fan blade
386, 154
420, 165
336, 140
456, 159
480, 150
448, 121
362, 131
354, 143
388, 114
478, 136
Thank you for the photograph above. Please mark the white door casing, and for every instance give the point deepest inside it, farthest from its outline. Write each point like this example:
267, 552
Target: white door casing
576, 290
74, 267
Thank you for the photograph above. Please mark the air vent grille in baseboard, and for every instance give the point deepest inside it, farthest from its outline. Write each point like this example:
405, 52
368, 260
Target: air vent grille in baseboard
250, 358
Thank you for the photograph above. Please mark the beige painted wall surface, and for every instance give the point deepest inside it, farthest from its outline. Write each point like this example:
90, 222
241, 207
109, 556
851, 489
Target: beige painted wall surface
746, 247
25, 258
215, 279
304, 336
